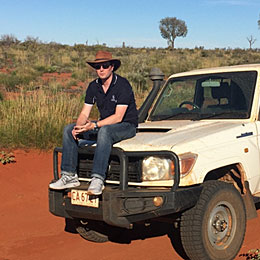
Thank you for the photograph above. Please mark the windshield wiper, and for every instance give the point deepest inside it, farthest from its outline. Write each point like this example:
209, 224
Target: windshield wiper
173, 116
226, 113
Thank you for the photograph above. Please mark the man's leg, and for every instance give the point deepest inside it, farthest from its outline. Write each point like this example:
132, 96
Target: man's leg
107, 136
69, 161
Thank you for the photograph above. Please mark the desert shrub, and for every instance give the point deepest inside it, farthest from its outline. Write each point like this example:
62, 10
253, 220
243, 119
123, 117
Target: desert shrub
8, 40
11, 81
41, 68
52, 69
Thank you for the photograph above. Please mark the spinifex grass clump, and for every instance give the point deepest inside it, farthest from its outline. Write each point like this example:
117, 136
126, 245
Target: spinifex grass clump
253, 254
36, 119
6, 157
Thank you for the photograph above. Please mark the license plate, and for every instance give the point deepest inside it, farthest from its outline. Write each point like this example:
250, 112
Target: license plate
80, 197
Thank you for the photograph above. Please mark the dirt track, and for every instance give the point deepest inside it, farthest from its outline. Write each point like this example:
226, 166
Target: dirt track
29, 232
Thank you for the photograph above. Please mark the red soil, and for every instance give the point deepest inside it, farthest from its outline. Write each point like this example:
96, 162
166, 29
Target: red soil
29, 232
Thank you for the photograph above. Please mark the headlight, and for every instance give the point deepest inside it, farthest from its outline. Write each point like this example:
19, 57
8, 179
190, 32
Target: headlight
156, 168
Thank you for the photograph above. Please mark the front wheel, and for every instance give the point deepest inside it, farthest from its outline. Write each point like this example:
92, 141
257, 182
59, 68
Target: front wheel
215, 227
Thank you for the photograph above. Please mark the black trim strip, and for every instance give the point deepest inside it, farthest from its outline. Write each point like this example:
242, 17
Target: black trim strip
245, 134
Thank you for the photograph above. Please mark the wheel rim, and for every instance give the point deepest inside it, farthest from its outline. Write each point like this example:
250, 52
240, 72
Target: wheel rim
222, 225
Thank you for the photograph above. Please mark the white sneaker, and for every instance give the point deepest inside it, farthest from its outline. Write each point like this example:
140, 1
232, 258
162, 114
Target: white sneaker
96, 186
66, 181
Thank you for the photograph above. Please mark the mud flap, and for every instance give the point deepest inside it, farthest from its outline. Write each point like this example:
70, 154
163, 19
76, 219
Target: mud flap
249, 203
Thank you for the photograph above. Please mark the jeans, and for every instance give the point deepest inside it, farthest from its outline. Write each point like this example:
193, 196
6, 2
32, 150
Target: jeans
106, 137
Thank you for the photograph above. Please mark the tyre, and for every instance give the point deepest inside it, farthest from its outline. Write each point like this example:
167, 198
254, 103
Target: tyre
96, 231
214, 229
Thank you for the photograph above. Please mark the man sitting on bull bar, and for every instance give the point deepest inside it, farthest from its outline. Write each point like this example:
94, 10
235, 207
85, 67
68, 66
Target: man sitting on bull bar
118, 120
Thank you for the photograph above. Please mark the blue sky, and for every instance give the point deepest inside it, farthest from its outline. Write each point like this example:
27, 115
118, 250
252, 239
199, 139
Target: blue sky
211, 23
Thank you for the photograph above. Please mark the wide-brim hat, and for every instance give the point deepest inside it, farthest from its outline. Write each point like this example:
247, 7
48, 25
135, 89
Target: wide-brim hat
104, 56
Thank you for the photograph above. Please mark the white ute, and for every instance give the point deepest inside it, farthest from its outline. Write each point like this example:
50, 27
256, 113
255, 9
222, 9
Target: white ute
194, 161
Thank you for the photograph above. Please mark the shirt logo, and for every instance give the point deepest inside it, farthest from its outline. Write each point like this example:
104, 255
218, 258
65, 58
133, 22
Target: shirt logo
113, 99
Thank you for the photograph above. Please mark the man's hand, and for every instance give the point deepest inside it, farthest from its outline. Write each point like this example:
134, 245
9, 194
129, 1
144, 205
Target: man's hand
79, 129
74, 134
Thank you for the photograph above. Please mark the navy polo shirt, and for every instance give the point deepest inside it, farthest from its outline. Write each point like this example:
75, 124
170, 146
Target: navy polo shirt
119, 93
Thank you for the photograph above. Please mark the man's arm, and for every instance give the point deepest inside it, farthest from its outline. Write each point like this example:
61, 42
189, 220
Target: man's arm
115, 118
82, 121
84, 115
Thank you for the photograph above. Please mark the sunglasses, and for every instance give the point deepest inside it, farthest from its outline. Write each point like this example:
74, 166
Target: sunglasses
105, 65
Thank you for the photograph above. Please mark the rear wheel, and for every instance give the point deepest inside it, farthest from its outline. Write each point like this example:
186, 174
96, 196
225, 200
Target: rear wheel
215, 227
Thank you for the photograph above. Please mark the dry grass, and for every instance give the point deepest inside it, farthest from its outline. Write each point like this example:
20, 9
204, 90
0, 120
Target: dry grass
41, 110
36, 118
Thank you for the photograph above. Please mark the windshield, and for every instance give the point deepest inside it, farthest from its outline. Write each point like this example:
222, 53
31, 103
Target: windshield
211, 96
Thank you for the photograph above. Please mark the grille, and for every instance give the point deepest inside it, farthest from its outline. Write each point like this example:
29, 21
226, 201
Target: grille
113, 171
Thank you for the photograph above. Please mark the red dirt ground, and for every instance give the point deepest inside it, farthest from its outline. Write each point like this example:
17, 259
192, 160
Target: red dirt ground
29, 232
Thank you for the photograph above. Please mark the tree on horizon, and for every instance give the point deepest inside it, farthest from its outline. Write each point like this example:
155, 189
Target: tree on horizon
171, 27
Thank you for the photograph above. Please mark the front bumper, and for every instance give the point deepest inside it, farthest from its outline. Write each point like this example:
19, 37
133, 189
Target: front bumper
122, 205
123, 208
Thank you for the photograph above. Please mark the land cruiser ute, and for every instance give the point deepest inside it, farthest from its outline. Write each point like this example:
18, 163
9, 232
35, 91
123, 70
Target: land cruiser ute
195, 163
